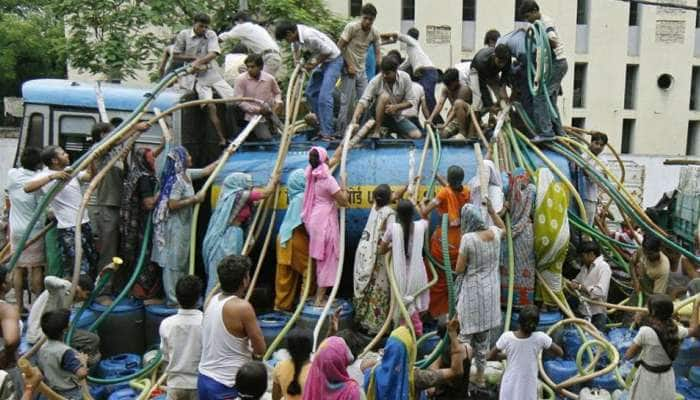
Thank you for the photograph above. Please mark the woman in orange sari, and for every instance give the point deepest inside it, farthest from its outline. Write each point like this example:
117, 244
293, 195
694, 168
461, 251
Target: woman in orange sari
449, 200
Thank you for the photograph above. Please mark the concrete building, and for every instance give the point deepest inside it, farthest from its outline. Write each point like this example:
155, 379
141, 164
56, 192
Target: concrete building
634, 70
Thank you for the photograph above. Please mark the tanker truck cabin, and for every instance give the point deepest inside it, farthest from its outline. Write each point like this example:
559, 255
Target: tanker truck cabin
62, 112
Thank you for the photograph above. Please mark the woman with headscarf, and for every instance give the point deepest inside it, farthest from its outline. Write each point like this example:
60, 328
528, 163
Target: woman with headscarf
478, 283
495, 189
138, 199
292, 245
172, 217
449, 200
521, 199
372, 295
225, 234
551, 233
396, 378
328, 377
322, 197
405, 237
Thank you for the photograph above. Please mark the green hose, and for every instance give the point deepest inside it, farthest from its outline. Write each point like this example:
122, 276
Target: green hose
537, 37
93, 295
511, 273
146, 369
58, 186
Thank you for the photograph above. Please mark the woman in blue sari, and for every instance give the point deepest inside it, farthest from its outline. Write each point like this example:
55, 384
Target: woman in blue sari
225, 235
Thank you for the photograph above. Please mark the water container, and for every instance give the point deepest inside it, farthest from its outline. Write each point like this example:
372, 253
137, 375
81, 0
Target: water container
688, 356
687, 389
571, 342
122, 330
547, 319
594, 394
606, 382
560, 370
155, 314
694, 375
124, 394
272, 324
102, 392
115, 365
428, 345
311, 314
621, 338
87, 318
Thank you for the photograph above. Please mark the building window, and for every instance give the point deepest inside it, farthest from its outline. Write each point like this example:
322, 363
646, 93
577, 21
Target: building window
578, 122
695, 89
631, 86
627, 136
355, 8
35, 131
580, 70
581, 12
408, 10
518, 17
468, 10
634, 14
692, 146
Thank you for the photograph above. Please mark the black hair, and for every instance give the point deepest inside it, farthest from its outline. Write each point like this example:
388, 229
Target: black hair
413, 32
502, 52
382, 195
354, 341
251, 380
314, 158
451, 75
48, 153
31, 159
255, 59
99, 129
528, 6
55, 322
282, 28
389, 64
404, 215
491, 35
86, 283
232, 270
651, 243
299, 346
455, 177
239, 48
3, 275
187, 291
395, 54
599, 137
115, 121
202, 18
528, 319
661, 321
369, 9
241, 16
589, 246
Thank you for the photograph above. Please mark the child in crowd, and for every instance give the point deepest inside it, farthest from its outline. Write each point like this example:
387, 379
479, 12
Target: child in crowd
181, 340
289, 376
251, 381
520, 348
63, 367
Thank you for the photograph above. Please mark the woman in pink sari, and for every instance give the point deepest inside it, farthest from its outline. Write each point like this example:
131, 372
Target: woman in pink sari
322, 197
328, 377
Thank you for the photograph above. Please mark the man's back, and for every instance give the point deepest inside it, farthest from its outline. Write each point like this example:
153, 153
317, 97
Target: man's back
56, 295
181, 343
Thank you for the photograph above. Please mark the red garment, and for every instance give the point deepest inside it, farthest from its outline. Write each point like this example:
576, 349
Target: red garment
247, 209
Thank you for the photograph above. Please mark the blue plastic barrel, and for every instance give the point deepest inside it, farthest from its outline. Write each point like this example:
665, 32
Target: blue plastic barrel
115, 365
687, 389
311, 314
272, 324
124, 394
688, 356
155, 314
621, 338
694, 375
560, 370
606, 382
427, 346
123, 329
102, 392
86, 318
547, 319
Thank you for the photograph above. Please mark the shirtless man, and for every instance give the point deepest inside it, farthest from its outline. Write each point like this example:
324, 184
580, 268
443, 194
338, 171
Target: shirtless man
229, 331
460, 97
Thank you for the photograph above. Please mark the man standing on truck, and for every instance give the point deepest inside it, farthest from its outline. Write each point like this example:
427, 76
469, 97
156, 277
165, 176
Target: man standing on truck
257, 40
200, 47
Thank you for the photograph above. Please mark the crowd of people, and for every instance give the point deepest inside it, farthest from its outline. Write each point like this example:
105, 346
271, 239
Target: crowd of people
211, 354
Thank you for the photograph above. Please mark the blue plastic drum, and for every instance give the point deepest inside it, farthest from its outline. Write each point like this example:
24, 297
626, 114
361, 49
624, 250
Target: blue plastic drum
560, 370
123, 329
87, 318
311, 314
124, 394
155, 314
115, 366
272, 324
694, 375
607, 382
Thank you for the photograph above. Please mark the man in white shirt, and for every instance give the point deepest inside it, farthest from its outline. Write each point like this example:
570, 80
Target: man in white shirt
458, 118
65, 205
325, 64
199, 46
419, 62
593, 282
56, 296
390, 92
181, 340
589, 194
256, 39
353, 44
